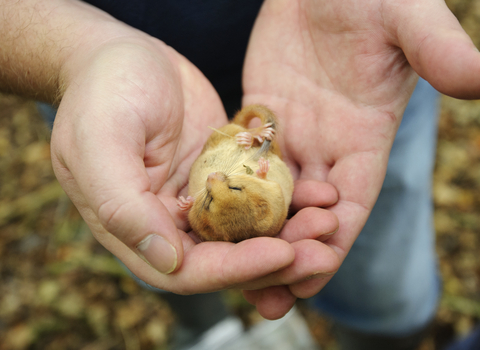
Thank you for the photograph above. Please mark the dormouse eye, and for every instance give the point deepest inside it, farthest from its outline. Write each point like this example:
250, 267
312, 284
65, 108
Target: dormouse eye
235, 188
207, 205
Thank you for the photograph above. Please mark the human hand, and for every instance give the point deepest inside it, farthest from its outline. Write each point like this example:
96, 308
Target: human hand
132, 119
339, 75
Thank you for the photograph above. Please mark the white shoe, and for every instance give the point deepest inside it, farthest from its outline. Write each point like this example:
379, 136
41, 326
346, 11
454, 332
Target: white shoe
288, 333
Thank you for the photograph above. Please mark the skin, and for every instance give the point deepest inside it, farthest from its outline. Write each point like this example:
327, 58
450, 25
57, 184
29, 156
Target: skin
351, 67
130, 110
124, 139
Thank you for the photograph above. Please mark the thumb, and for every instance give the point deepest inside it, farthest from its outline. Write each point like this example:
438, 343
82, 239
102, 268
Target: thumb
141, 222
438, 48
104, 174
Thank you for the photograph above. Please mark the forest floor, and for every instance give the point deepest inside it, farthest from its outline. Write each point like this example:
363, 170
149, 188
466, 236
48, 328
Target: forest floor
60, 289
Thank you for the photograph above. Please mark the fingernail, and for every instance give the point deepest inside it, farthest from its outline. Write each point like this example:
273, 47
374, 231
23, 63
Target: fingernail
159, 253
318, 275
331, 233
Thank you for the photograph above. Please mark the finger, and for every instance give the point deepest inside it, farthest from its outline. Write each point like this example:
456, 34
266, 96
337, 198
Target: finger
104, 173
251, 296
133, 214
136, 221
310, 287
312, 259
312, 193
437, 47
310, 223
272, 302
211, 266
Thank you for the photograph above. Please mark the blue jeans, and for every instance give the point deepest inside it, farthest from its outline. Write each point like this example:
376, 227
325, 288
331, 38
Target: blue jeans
471, 342
389, 284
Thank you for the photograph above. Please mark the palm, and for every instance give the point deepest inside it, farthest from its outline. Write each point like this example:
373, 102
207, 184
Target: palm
129, 127
339, 87
140, 144
202, 109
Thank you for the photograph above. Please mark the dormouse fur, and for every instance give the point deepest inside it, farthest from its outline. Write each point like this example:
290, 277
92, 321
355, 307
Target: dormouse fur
233, 198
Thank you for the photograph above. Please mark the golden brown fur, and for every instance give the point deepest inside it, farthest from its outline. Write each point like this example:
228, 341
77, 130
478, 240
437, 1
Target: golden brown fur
232, 203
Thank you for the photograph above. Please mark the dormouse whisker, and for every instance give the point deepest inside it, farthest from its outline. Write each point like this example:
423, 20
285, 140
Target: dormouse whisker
233, 162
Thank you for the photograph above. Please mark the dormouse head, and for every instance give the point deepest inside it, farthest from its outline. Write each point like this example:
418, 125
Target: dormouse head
237, 207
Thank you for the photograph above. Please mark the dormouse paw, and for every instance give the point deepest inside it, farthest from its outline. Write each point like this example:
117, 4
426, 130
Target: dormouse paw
244, 139
266, 132
263, 167
185, 204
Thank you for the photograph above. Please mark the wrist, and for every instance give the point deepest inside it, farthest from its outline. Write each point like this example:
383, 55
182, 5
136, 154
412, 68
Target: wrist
41, 38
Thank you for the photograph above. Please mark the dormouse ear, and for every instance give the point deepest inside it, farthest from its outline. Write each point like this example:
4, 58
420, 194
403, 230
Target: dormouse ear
263, 214
261, 208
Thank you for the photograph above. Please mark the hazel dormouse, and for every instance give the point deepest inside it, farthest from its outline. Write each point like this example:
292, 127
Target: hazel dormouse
239, 186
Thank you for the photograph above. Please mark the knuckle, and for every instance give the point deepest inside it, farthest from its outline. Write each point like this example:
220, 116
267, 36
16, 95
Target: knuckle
108, 214
112, 216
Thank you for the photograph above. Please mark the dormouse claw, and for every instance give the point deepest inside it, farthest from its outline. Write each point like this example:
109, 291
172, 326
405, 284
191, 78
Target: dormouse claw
267, 133
185, 204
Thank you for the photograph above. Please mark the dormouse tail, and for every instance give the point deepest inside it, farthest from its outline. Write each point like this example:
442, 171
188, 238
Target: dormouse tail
246, 114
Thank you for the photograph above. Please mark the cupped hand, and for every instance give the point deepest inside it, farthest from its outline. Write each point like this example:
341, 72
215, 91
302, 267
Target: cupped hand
339, 75
133, 117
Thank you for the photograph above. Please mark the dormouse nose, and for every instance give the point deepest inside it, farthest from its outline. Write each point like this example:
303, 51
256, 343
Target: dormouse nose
213, 177
216, 176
